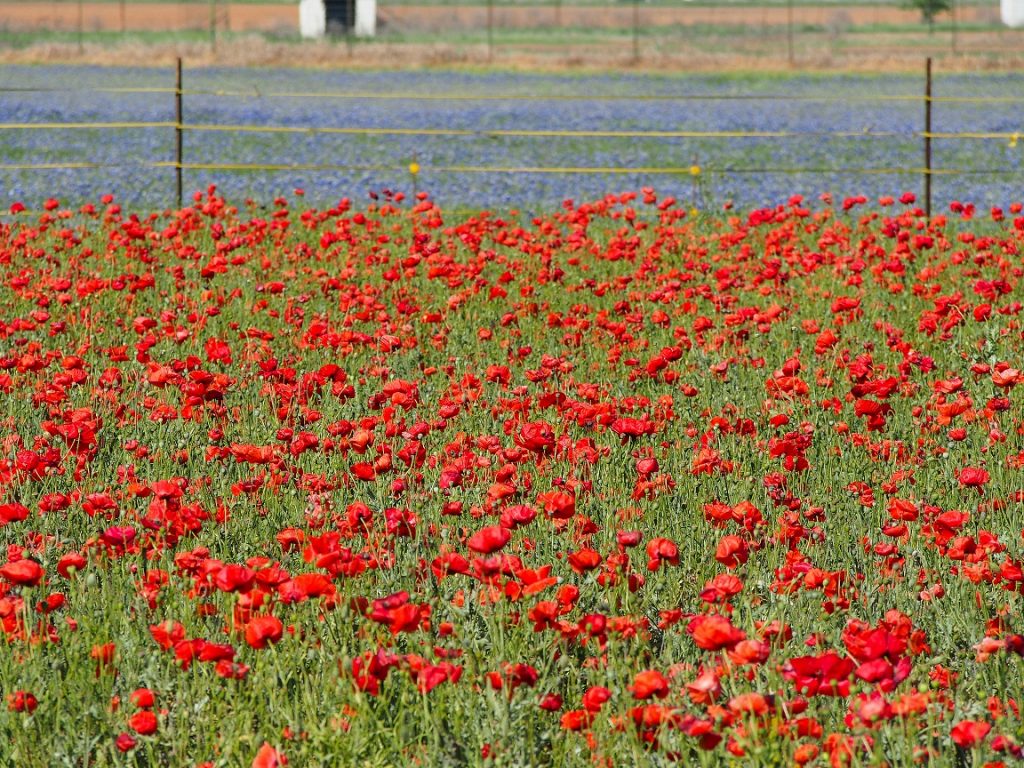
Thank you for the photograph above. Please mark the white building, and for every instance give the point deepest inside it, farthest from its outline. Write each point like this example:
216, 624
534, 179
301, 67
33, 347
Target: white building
1012, 12
320, 17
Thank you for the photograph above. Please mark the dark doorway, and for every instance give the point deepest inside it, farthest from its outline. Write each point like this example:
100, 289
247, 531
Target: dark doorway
340, 16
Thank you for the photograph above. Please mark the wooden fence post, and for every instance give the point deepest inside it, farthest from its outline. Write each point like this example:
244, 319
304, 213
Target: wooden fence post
81, 28
952, 20
928, 137
789, 32
213, 26
490, 30
178, 134
636, 30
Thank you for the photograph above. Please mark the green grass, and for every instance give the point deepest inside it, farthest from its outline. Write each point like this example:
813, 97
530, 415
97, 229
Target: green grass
25, 39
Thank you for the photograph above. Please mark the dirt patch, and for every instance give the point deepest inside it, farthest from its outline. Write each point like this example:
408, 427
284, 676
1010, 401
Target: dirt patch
173, 17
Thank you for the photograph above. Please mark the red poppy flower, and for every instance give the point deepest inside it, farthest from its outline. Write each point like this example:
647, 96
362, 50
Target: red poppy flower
558, 504
167, 634
305, 586
551, 702
629, 427
595, 698
825, 675
732, 551
24, 573
660, 549
749, 704
12, 513
489, 539
536, 436
968, 734
234, 578
231, 670
647, 466
721, 588
104, 655
143, 698
584, 560
429, 676
364, 471
705, 689
577, 719
973, 477
72, 560
714, 632
649, 683
268, 757
143, 723
22, 701
750, 652
263, 631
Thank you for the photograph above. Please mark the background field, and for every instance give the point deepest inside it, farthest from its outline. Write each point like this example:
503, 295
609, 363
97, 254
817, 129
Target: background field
879, 36
880, 117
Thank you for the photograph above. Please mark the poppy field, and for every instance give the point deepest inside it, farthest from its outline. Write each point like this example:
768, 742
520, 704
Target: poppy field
619, 483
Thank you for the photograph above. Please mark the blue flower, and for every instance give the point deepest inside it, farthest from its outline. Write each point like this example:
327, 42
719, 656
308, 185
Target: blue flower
751, 171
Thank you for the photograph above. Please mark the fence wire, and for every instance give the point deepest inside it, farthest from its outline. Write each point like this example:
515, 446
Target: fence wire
180, 165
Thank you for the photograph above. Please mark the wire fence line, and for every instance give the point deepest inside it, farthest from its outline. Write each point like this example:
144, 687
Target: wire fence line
485, 97
568, 170
181, 127
513, 132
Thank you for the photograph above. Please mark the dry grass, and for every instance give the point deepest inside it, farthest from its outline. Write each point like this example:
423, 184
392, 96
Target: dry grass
257, 51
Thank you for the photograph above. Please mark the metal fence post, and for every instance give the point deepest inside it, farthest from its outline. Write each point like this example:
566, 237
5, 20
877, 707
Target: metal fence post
928, 137
178, 134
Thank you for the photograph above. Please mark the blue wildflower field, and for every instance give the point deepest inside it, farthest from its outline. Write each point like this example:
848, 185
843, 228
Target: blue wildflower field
748, 171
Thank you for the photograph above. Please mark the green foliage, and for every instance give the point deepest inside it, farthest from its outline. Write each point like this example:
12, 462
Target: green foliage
929, 8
